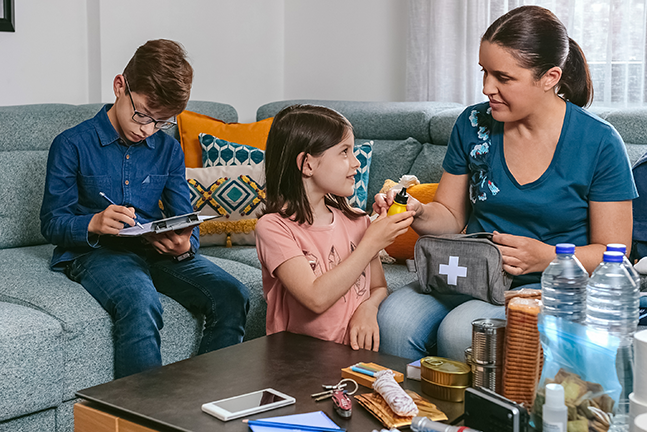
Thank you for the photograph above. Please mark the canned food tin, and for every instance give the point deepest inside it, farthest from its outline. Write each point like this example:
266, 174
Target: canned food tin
448, 393
488, 376
488, 335
468, 356
445, 372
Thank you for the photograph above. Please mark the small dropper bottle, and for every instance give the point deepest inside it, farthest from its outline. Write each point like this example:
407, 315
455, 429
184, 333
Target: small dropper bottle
399, 203
555, 412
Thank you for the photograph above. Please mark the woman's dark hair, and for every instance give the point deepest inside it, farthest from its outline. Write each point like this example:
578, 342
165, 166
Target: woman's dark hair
160, 71
308, 129
538, 39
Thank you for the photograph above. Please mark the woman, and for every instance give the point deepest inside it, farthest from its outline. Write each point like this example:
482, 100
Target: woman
531, 166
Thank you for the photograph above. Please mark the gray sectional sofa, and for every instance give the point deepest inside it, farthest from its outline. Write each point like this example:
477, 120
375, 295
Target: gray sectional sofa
55, 338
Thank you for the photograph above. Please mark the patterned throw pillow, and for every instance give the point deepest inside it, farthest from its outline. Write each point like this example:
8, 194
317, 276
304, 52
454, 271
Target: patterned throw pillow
363, 153
232, 187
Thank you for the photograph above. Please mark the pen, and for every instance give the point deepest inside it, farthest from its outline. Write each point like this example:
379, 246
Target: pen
113, 203
362, 370
292, 426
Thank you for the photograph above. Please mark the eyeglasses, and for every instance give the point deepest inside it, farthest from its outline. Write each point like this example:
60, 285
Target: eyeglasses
144, 119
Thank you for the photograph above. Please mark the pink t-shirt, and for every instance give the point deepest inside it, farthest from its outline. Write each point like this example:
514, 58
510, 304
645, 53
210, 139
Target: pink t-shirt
278, 240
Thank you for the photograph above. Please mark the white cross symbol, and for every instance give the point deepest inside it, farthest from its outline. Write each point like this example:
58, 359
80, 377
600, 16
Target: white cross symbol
452, 270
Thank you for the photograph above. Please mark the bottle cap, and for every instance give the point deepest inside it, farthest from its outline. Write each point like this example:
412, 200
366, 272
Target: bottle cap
565, 248
554, 395
613, 256
401, 197
616, 247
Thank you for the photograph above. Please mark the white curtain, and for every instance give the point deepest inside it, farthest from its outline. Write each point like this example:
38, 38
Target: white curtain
444, 38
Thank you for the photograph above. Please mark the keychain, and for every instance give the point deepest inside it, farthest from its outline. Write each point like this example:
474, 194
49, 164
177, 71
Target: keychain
341, 401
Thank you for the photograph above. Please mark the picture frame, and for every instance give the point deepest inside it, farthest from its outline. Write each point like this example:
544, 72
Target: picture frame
7, 16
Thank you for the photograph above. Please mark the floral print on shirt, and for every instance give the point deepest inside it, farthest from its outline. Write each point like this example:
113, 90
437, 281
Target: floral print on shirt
480, 183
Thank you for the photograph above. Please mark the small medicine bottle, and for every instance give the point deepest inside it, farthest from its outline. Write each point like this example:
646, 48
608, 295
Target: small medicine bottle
555, 412
399, 203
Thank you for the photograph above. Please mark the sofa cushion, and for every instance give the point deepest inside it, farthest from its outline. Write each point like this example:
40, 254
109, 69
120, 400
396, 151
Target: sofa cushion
391, 160
231, 187
22, 182
31, 361
191, 125
242, 254
42, 421
441, 125
428, 165
87, 328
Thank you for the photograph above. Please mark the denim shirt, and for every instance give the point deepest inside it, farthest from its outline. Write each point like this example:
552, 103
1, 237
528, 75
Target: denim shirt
91, 158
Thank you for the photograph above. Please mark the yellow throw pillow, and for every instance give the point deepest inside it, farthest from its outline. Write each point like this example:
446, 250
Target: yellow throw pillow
191, 125
402, 247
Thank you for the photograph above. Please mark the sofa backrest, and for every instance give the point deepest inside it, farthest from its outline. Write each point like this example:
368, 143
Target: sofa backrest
26, 132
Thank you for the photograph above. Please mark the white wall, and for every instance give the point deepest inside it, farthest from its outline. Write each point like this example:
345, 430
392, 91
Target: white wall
245, 53
345, 50
45, 60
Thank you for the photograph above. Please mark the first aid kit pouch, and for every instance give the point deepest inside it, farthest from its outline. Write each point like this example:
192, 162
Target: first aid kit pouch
468, 264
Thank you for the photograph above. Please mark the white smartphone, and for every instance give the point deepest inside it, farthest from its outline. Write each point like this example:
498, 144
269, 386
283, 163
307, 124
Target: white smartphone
247, 404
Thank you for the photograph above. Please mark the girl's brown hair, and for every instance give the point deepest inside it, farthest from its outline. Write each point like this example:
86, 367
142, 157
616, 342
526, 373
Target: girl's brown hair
538, 39
160, 71
308, 129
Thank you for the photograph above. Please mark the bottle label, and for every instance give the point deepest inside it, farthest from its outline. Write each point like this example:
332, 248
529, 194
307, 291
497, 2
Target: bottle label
554, 427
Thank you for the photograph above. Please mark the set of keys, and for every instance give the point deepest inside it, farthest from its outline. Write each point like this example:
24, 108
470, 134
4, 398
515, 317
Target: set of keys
341, 401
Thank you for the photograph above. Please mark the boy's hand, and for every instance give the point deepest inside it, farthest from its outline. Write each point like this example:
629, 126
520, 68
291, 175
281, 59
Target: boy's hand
112, 220
172, 243
363, 328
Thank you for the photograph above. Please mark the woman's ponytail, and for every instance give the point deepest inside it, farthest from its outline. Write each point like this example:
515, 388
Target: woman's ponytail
576, 85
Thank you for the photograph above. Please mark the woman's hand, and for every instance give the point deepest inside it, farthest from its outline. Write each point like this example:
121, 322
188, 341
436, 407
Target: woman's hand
171, 242
385, 229
523, 255
112, 220
363, 328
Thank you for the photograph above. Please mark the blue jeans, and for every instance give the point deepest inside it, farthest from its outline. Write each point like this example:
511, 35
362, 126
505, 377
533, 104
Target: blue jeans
126, 284
414, 325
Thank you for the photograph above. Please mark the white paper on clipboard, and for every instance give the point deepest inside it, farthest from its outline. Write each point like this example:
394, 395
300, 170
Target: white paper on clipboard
164, 225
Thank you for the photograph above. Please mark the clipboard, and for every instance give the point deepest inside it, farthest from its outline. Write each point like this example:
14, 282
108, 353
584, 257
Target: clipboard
164, 225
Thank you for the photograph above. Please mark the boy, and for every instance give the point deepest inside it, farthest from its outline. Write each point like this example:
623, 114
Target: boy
122, 154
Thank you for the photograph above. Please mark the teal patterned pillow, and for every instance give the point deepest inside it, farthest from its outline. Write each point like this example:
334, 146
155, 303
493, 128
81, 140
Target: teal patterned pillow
363, 153
218, 152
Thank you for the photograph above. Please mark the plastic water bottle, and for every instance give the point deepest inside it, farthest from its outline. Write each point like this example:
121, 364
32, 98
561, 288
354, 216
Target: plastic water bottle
619, 247
612, 305
563, 285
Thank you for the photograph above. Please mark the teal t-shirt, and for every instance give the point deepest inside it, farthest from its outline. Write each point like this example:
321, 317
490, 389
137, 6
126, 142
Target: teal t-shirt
590, 164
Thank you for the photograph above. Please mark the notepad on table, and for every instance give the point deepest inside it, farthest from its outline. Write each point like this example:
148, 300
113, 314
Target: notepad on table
317, 418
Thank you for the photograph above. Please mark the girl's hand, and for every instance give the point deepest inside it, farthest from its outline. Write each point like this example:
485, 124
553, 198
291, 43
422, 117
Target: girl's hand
111, 220
523, 255
363, 328
383, 201
384, 230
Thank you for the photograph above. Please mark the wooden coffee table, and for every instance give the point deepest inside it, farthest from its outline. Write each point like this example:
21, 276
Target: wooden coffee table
170, 397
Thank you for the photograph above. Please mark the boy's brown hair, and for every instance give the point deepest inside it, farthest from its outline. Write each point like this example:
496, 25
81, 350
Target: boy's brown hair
160, 71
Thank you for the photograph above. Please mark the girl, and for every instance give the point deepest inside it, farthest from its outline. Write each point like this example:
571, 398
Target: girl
531, 166
321, 273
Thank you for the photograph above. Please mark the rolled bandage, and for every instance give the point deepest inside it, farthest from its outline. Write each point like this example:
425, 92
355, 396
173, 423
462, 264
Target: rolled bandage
399, 401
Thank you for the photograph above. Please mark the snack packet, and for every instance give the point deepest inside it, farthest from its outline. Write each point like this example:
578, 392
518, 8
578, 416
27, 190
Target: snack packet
579, 359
